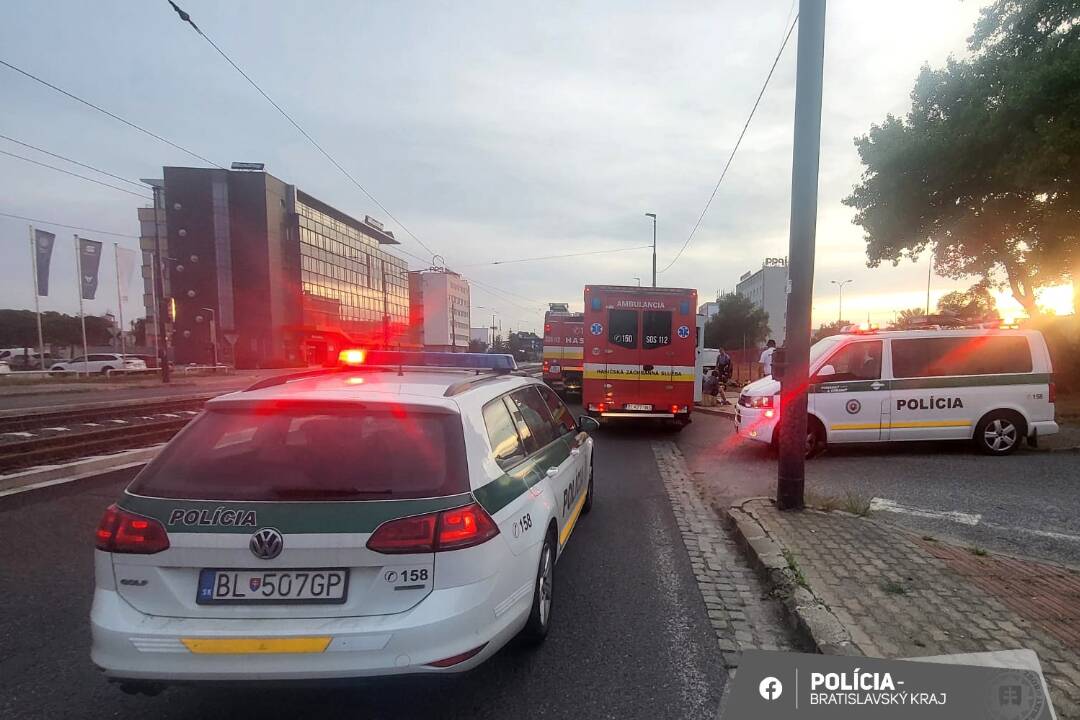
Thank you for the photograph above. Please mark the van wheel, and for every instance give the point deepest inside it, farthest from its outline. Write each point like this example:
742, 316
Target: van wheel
999, 432
536, 629
815, 437
105, 370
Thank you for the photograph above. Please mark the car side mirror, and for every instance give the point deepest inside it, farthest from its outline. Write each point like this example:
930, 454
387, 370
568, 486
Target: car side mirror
588, 424
825, 371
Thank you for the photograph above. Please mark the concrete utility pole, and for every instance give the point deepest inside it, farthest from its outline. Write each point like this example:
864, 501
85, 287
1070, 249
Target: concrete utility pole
653, 216
804, 185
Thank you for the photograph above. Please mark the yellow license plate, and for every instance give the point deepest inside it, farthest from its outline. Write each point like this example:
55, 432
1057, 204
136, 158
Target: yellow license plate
255, 646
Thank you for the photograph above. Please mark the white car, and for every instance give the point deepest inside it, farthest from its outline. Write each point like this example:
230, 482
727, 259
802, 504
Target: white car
5, 368
993, 387
100, 363
396, 517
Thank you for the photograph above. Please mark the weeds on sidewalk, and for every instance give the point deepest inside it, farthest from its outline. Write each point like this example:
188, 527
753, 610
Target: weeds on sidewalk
856, 504
894, 587
793, 565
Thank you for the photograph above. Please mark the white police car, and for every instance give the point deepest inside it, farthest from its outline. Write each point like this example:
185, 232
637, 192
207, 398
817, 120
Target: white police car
994, 387
392, 516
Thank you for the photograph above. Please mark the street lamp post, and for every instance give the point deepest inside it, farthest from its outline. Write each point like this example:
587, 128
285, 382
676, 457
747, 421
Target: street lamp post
840, 284
213, 334
653, 216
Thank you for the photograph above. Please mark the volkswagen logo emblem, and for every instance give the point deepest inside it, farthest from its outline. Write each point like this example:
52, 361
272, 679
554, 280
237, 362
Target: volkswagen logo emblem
266, 544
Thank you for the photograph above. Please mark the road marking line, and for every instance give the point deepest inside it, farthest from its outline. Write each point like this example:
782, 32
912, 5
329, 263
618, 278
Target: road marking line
20, 434
57, 429
892, 506
119, 422
1030, 531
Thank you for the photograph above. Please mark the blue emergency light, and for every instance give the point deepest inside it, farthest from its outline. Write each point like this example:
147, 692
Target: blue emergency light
413, 358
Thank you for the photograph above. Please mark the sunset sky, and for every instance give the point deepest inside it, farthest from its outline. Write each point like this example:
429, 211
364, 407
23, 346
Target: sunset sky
494, 131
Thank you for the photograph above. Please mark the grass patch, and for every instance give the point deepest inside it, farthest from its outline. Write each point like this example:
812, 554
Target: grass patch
1067, 406
825, 503
855, 503
793, 565
978, 551
894, 587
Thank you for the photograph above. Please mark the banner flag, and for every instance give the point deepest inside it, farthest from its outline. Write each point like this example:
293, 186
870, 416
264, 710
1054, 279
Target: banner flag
89, 264
43, 246
125, 267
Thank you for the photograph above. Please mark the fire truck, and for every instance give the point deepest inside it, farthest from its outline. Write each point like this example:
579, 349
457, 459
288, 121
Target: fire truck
640, 352
563, 346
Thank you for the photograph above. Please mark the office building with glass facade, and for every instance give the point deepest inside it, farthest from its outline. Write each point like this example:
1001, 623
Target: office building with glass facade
268, 275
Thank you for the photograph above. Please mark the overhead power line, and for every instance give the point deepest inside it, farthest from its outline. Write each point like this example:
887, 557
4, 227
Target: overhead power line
74, 162
70, 227
185, 17
114, 116
735, 149
554, 257
74, 174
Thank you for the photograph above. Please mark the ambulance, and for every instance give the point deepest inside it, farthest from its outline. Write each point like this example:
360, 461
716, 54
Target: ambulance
564, 339
640, 353
992, 387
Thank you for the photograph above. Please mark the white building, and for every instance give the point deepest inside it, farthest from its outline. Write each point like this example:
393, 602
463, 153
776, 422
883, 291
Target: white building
708, 309
481, 334
444, 305
767, 289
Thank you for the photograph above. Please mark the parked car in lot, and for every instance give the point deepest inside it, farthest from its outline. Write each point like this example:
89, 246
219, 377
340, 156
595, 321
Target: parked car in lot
993, 387
401, 514
100, 363
21, 359
4, 368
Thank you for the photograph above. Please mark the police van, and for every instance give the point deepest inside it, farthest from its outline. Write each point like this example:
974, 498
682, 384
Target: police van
990, 386
401, 514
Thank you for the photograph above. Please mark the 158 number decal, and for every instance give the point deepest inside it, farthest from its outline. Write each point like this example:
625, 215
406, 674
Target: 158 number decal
522, 525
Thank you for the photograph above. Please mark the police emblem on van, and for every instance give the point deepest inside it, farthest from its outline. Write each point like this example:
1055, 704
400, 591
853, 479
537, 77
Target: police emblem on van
853, 407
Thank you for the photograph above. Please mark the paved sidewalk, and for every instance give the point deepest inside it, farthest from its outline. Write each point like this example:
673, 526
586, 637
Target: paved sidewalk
886, 592
743, 614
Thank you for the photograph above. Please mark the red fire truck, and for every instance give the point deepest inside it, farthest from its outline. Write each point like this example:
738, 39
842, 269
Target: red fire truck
563, 347
640, 352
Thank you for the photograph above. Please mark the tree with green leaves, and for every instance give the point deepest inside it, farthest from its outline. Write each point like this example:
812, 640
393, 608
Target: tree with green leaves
975, 302
984, 168
829, 329
737, 321
909, 318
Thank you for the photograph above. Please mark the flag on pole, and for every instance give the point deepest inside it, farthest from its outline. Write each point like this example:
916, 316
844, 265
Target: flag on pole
43, 246
125, 267
90, 263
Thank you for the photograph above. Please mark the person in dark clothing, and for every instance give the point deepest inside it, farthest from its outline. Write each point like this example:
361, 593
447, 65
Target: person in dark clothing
710, 388
724, 370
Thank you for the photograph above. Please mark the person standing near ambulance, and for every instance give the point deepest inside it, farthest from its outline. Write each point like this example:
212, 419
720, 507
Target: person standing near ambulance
766, 358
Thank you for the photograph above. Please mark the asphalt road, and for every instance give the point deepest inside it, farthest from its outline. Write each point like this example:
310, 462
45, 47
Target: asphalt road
1023, 504
630, 637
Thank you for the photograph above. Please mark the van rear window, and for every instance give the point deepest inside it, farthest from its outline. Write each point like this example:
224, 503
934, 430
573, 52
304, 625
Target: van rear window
311, 453
975, 355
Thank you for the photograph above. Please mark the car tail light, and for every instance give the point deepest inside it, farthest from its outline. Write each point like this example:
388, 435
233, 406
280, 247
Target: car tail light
457, 659
465, 527
1051, 394
435, 532
598, 407
546, 365
121, 531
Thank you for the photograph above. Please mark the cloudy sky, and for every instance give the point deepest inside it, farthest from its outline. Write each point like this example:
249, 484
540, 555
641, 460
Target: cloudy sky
493, 130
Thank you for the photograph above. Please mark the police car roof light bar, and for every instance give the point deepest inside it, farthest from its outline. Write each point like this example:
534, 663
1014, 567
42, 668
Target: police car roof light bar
421, 359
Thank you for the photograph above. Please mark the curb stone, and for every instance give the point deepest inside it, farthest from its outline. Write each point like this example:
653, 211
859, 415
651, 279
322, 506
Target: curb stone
808, 613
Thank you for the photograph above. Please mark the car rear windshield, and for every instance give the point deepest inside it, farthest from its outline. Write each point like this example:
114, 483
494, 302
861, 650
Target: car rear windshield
311, 453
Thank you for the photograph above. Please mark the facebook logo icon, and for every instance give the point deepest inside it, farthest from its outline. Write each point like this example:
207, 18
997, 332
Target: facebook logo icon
770, 688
